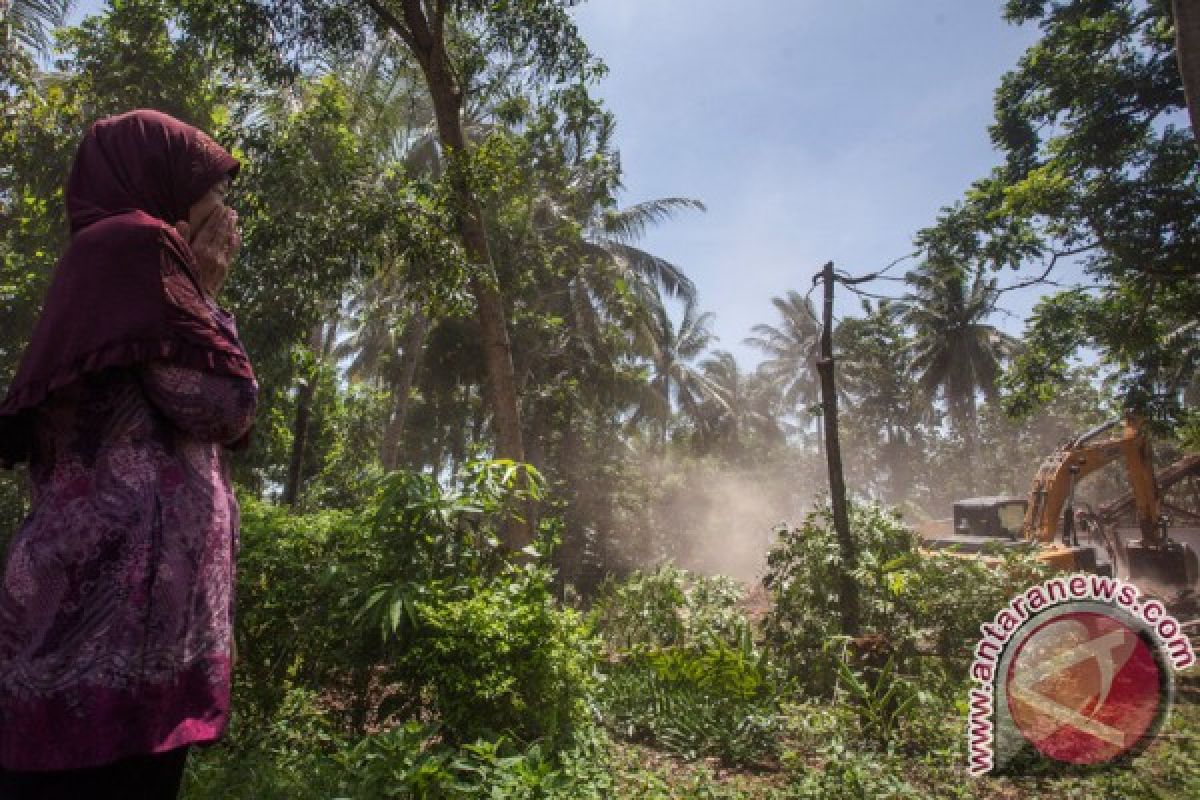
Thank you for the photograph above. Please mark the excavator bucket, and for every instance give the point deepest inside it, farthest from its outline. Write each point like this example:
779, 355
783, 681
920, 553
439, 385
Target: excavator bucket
1171, 567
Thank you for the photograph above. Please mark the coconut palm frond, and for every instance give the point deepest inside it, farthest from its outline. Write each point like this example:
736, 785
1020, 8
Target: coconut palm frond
663, 273
629, 225
31, 22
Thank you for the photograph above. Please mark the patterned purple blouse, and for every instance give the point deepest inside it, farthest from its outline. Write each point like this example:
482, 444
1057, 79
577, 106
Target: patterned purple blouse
116, 607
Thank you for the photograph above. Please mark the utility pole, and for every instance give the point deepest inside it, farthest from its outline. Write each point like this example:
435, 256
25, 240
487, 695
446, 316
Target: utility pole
847, 590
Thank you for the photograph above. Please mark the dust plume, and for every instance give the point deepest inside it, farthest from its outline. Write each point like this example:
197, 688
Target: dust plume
719, 519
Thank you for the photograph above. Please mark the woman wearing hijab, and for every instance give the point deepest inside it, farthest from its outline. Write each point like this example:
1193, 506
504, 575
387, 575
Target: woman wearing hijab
116, 597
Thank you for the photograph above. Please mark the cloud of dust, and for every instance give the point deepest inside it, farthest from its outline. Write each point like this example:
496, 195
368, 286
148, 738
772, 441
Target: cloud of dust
719, 519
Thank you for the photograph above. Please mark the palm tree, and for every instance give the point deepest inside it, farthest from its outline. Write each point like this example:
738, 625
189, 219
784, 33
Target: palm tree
612, 233
741, 408
614, 281
955, 352
792, 349
722, 414
675, 379
388, 324
611, 257
883, 402
28, 23
609, 292
384, 337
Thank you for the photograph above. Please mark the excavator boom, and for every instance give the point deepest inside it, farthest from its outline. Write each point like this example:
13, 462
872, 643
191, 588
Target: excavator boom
1050, 515
1056, 479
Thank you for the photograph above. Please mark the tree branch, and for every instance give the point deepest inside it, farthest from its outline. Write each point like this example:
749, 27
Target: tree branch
393, 23
438, 32
1043, 278
415, 19
439, 20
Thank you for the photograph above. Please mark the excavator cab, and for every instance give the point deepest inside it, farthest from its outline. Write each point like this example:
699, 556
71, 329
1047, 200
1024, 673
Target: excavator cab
981, 523
991, 517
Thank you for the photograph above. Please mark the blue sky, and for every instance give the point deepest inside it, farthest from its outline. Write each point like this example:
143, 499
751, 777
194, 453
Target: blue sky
813, 130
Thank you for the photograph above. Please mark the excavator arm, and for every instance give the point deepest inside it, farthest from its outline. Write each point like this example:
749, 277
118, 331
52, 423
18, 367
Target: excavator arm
1055, 482
1155, 559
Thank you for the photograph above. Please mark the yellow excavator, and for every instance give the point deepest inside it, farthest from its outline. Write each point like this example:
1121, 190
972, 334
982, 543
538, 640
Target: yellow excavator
1049, 518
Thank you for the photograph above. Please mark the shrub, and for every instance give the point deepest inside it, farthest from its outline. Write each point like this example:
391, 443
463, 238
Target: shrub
296, 576
409, 607
475, 636
716, 701
666, 608
408, 762
500, 658
287, 757
951, 596
913, 603
684, 671
901, 678
802, 577
851, 775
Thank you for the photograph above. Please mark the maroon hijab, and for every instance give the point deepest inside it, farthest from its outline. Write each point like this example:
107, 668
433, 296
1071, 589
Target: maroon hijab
125, 291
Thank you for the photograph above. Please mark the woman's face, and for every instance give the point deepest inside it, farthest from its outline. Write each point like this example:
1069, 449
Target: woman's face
208, 205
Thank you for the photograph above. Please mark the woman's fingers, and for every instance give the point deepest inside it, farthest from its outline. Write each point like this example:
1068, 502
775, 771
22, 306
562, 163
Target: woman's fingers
215, 246
229, 236
223, 233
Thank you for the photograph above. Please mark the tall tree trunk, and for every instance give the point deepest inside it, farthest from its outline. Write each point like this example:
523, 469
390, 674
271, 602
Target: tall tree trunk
477, 420
820, 438
425, 37
321, 341
410, 359
847, 588
460, 433
1187, 51
971, 439
666, 417
574, 542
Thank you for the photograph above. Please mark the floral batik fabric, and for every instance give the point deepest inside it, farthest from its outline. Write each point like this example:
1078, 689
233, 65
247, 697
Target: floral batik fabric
116, 607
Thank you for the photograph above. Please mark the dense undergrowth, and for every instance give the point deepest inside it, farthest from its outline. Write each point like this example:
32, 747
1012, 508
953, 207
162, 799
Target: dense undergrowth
394, 652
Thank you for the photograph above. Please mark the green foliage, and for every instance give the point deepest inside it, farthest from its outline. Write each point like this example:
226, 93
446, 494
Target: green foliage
954, 352
413, 591
913, 602
27, 26
348, 429
447, 538
299, 757
684, 672
296, 576
283, 757
881, 701
170, 71
668, 607
709, 701
502, 660
477, 635
847, 774
402, 763
802, 576
1097, 168
884, 410
1148, 335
